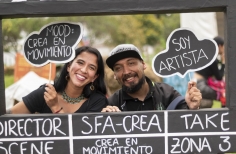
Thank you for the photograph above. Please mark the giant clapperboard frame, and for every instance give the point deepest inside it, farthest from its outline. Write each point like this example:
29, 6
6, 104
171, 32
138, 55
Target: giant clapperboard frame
203, 131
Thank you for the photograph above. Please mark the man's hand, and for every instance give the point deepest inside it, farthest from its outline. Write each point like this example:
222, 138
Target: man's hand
193, 96
111, 109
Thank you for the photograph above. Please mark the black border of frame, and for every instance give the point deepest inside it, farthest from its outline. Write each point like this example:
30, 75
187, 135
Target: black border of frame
121, 7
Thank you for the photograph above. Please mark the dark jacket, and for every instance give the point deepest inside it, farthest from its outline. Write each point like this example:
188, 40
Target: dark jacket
162, 95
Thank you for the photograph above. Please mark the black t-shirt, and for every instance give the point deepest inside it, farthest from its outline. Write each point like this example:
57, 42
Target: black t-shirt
134, 104
35, 102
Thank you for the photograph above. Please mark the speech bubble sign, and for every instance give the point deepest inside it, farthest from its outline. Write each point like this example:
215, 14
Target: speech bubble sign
54, 42
184, 53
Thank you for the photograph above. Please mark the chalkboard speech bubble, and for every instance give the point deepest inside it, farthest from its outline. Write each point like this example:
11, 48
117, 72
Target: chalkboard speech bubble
184, 53
55, 42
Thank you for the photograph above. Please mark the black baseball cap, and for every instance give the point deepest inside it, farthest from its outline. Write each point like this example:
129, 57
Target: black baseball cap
122, 51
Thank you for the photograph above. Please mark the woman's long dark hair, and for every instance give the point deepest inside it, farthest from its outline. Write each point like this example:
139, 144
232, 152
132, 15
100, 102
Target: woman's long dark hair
99, 84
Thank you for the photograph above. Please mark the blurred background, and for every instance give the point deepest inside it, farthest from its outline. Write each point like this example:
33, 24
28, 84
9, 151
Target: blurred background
148, 32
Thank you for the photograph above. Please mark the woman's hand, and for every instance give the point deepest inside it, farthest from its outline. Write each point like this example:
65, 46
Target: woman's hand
109, 108
51, 98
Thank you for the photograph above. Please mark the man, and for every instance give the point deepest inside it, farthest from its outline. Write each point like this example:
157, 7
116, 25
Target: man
138, 92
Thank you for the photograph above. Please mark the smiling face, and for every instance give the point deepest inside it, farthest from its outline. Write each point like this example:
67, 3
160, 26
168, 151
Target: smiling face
129, 72
83, 69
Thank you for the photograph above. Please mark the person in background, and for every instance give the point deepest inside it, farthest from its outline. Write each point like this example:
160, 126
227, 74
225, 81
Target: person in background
178, 82
138, 92
80, 87
216, 71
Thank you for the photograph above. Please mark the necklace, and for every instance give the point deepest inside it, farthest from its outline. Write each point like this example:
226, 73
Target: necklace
72, 100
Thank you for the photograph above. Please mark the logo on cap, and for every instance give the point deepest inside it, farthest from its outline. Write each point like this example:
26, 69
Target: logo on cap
120, 50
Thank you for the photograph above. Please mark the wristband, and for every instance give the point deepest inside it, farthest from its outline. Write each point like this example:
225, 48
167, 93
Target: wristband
59, 110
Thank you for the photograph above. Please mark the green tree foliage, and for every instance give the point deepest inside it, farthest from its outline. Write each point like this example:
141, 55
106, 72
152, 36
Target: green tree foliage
126, 29
12, 29
117, 29
152, 28
171, 22
143, 29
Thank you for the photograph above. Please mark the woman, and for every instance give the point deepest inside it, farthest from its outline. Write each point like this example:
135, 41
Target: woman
79, 88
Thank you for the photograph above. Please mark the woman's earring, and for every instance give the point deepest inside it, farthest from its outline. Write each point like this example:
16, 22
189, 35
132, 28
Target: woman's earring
67, 77
92, 87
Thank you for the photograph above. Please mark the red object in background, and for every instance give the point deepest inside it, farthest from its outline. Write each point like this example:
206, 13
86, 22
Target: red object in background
22, 67
219, 87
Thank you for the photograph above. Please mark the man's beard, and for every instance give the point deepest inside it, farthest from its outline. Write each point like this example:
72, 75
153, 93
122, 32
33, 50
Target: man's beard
134, 87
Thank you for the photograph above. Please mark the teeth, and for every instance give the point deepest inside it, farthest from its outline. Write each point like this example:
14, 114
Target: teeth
129, 78
80, 77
